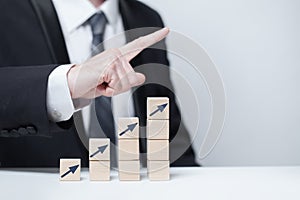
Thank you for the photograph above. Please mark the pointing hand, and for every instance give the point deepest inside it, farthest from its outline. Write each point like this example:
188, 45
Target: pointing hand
109, 73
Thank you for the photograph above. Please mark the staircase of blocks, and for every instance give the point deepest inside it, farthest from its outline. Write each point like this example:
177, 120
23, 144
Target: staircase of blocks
128, 149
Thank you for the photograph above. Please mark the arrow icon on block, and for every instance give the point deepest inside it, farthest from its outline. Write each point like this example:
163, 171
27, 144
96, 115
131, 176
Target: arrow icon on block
130, 128
71, 169
100, 149
159, 108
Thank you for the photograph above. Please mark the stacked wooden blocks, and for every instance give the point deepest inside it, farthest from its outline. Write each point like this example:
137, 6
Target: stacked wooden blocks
158, 138
129, 158
128, 139
99, 150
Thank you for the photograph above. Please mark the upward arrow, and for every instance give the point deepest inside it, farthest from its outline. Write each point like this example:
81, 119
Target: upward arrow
71, 169
130, 128
100, 149
159, 108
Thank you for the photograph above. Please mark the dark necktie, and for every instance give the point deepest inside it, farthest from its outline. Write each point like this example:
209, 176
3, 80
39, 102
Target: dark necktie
103, 107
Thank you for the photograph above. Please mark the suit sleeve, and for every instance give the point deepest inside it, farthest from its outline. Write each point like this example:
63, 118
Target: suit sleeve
23, 110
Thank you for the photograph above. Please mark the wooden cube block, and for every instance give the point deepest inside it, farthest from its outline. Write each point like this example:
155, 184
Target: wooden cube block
158, 108
129, 149
158, 170
128, 128
69, 169
129, 170
158, 149
99, 149
99, 170
158, 129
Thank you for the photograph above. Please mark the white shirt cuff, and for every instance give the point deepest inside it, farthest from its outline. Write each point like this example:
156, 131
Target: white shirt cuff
59, 101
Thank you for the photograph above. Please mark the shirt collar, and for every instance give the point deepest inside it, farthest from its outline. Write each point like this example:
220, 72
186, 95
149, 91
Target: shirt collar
75, 13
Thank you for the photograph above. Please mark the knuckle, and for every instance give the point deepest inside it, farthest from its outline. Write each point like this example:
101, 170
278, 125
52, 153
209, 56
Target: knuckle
113, 66
113, 55
116, 52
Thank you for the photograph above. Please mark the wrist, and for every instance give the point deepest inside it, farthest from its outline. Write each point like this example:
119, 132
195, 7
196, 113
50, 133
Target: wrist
71, 77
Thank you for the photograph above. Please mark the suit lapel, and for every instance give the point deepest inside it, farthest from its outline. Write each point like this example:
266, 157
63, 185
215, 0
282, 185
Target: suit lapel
47, 16
130, 21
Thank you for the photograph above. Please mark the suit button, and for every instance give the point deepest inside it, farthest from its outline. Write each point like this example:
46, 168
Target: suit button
31, 130
14, 133
4, 133
22, 131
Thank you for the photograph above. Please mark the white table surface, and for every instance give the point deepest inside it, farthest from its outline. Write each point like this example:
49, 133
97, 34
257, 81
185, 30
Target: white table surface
240, 183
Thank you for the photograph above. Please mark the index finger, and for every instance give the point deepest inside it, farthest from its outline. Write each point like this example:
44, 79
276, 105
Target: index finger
133, 48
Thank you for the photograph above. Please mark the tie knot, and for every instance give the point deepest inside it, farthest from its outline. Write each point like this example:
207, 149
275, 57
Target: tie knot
98, 22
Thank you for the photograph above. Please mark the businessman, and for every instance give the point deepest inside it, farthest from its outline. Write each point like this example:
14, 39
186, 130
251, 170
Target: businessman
45, 77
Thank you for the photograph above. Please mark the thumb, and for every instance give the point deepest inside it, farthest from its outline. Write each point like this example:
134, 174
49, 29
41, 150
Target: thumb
136, 79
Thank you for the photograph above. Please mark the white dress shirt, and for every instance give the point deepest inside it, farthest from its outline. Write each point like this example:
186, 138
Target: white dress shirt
72, 16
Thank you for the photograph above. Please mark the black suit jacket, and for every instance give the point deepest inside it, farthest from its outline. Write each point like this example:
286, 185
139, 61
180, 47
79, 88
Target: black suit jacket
31, 46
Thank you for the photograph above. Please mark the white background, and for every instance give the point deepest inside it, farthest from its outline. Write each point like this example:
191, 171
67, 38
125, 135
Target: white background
256, 46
